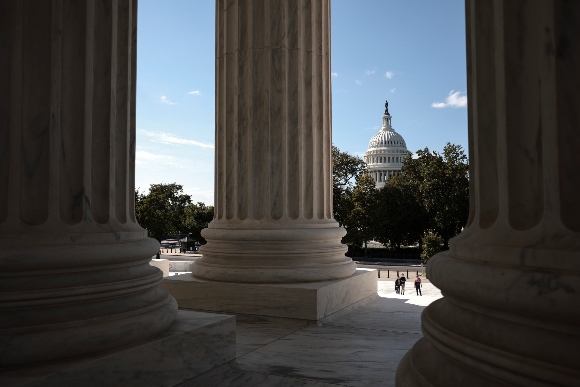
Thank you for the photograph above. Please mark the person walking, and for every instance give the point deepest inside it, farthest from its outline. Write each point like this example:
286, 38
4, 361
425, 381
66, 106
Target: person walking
418, 286
403, 280
397, 285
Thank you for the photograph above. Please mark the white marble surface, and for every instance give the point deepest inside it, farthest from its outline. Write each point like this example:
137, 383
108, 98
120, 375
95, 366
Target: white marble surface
359, 348
229, 375
75, 277
309, 301
254, 332
195, 343
322, 352
161, 264
180, 266
273, 218
513, 273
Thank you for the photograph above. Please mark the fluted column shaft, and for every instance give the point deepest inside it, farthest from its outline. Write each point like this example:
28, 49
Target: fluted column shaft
273, 146
511, 280
74, 272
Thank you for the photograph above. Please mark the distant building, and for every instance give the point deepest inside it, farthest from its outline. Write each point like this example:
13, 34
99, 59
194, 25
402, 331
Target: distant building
386, 152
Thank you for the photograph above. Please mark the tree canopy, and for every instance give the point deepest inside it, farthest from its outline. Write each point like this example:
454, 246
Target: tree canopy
197, 217
441, 184
402, 218
166, 210
430, 193
362, 224
346, 170
431, 245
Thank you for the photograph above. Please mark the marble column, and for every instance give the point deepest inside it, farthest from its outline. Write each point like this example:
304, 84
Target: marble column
273, 176
511, 280
75, 277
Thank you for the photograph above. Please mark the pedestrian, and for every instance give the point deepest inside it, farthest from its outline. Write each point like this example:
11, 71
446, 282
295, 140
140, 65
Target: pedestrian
418, 286
403, 280
397, 284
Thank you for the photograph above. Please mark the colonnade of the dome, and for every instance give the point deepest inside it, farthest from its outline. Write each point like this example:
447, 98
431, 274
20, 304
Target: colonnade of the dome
381, 176
384, 159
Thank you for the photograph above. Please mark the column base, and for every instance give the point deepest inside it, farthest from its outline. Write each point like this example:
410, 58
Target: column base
506, 325
195, 343
281, 254
424, 366
309, 301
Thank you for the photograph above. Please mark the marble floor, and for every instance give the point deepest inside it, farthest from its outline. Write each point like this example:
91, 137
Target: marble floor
361, 347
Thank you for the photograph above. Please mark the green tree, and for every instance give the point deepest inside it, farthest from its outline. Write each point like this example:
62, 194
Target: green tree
162, 211
440, 183
431, 245
346, 169
401, 217
197, 217
362, 220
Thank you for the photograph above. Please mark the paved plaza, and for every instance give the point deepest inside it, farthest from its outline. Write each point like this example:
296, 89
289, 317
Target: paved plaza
361, 347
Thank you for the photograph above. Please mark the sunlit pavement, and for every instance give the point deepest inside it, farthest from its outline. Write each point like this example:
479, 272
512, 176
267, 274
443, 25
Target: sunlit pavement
386, 289
360, 347
429, 291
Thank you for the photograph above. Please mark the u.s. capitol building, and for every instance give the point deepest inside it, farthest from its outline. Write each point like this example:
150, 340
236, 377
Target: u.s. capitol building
386, 152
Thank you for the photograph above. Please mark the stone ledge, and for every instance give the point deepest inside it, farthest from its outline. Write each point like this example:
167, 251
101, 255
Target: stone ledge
194, 344
161, 264
309, 301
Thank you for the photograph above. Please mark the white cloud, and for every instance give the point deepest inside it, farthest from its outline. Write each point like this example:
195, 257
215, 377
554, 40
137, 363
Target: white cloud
389, 74
206, 195
165, 100
171, 139
454, 99
155, 161
194, 92
335, 75
393, 90
371, 72
144, 158
358, 82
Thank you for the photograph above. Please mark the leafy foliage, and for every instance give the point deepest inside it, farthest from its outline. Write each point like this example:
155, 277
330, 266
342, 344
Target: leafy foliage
441, 185
402, 218
346, 171
166, 210
197, 217
431, 245
362, 221
431, 192
161, 211
346, 168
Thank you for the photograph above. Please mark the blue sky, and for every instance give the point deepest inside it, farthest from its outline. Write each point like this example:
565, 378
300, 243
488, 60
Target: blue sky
411, 52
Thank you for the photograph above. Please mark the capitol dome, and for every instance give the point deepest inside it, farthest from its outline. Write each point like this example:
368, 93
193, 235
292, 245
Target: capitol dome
386, 138
386, 152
